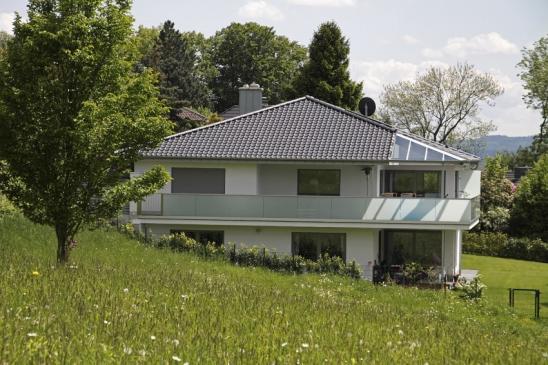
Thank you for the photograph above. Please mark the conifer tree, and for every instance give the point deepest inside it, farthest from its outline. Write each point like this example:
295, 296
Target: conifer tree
326, 74
175, 61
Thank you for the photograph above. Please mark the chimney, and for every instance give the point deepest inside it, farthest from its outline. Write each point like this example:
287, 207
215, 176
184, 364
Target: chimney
251, 98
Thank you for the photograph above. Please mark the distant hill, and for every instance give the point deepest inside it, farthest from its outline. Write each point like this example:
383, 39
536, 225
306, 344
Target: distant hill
498, 143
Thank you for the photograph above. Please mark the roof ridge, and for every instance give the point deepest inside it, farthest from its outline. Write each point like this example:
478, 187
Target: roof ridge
234, 118
193, 111
352, 113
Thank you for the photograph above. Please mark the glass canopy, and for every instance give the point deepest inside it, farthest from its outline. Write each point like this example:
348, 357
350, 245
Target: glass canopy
407, 149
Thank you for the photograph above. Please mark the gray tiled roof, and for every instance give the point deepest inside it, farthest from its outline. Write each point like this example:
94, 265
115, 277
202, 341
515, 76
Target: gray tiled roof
305, 129
187, 113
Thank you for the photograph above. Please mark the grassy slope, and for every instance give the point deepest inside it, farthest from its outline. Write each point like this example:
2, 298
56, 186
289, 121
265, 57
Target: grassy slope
211, 312
500, 274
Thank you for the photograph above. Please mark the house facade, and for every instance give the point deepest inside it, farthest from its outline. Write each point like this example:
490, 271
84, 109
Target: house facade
306, 177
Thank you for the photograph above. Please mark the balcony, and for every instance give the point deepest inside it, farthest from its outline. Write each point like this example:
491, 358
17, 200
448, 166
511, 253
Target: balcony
332, 208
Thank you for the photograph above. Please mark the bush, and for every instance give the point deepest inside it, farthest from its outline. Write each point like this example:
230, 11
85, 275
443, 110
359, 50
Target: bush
528, 215
470, 290
500, 245
6, 207
250, 256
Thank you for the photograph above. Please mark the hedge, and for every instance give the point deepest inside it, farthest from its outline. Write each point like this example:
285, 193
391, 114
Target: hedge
251, 256
501, 245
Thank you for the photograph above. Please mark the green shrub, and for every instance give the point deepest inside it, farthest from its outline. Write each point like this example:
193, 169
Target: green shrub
6, 207
471, 290
500, 245
253, 256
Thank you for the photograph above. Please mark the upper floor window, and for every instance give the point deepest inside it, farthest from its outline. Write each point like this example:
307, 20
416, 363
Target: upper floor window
198, 181
319, 182
413, 183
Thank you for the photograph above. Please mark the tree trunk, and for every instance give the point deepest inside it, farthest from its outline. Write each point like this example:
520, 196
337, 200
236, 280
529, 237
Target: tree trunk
62, 245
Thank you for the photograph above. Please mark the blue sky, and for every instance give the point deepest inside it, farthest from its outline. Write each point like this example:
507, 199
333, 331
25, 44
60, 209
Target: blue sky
390, 40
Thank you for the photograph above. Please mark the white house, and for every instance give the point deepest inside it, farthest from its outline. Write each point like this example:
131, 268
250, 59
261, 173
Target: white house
307, 177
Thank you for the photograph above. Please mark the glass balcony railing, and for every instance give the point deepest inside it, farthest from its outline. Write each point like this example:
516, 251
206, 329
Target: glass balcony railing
381, 209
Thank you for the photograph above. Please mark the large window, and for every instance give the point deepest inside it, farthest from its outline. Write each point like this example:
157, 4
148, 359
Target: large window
319, 182
313, 245
413, 183
403, 247
204, 237
198, 181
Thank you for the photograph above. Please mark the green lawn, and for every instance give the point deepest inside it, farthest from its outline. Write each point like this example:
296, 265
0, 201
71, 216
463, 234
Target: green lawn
121, 302
500, 274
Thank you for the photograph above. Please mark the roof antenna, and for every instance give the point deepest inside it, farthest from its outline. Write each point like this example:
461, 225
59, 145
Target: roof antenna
367, 106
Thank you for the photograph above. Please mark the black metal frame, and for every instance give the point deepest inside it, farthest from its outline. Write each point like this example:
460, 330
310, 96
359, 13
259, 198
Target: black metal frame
312, 194
511, 298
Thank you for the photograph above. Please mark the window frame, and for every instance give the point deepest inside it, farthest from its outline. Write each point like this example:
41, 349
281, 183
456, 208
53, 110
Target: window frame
385, 238
388, 178
318, 194
295, 243
198, 232
177, 170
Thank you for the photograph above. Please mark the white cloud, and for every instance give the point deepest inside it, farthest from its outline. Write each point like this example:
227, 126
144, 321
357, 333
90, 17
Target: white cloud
484, 43
6, 22
260, 9
332, 3
509, 114
409, 39
376, 74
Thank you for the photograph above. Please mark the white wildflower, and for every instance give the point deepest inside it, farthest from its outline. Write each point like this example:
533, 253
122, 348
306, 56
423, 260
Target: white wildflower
153, 338
400, 332
127, 350
126, 290
142, 352
305, 345
176, 342
32, 334
184, 296
284, 344
106, 322
175, 358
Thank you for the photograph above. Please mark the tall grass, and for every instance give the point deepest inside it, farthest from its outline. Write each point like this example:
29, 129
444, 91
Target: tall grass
121, 302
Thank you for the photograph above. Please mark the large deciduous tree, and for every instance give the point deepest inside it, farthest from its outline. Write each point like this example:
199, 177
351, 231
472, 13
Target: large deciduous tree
529, 214
246, 53
74, 115
175, 61
442, 104
326, 74
534, 74
496, 195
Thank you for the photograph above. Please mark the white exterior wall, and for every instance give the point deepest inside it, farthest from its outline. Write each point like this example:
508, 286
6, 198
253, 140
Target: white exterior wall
281, 179
240, 178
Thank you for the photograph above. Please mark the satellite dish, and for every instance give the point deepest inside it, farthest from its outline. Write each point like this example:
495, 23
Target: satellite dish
367, 106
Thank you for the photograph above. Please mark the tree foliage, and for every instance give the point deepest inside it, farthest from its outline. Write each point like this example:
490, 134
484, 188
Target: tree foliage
534, 74
175, 61
246, 53
496, 195
442, 104
529, 214
326, 74
74, 115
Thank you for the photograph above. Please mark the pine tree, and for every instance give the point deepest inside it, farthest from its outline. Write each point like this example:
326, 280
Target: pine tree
326, 74
175, 61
